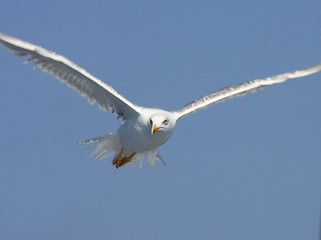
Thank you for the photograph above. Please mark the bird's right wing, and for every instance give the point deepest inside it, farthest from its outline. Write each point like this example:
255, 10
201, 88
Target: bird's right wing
74, 76
242, 89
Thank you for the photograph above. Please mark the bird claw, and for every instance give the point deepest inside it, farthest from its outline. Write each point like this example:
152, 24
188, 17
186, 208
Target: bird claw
121, 160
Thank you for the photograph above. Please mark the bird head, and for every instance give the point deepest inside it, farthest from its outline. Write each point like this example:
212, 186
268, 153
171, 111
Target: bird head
162, 122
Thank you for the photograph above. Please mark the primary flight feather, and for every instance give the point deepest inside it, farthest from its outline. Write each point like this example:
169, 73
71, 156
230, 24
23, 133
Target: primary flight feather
143, 130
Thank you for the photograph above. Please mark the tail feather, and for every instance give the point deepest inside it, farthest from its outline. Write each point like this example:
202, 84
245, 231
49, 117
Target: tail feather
153, 156
106, 145
90, 140
91, 145
101, 155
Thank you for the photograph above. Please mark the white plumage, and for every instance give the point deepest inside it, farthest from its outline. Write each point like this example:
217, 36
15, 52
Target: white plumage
143, 130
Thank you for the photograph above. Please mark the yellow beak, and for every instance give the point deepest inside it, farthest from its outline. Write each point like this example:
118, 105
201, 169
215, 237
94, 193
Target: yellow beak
154, 129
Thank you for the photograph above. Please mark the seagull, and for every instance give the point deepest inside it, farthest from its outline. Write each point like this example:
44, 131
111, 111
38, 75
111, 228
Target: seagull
143, 129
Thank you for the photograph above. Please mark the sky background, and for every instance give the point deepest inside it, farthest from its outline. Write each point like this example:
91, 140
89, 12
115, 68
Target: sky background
248, 168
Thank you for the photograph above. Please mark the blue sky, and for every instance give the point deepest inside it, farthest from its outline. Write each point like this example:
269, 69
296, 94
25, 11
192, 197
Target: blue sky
248, 168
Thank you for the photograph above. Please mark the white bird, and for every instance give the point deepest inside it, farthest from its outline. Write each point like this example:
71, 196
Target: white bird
142, 130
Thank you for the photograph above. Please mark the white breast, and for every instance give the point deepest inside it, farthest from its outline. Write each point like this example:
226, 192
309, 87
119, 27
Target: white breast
136, 135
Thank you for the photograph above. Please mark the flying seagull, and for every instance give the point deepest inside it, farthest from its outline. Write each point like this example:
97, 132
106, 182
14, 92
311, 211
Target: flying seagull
142, 130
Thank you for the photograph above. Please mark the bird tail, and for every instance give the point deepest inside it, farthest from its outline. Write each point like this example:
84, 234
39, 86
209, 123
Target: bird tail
153, 156
106, 145
110, 143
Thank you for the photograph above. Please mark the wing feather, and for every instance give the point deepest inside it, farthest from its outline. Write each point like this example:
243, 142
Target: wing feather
242, 89
74, 76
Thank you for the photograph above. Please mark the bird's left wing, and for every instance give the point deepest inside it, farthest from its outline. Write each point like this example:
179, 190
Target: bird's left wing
242, 89
74, 76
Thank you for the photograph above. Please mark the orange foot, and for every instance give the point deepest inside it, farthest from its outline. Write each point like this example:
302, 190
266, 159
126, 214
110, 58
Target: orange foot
121, 160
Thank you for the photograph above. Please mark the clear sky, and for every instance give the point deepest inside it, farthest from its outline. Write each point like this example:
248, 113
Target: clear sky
248, 168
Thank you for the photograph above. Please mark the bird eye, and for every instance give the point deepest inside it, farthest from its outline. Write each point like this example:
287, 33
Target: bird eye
165, 122
150, 120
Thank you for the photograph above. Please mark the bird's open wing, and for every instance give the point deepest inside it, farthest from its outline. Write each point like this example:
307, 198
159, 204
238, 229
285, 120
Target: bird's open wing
74, 76
242, 89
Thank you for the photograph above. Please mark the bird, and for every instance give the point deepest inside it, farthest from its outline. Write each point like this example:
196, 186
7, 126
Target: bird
143, 129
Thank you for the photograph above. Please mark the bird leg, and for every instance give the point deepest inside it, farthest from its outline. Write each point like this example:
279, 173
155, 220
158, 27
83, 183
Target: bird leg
117, 159
121, 160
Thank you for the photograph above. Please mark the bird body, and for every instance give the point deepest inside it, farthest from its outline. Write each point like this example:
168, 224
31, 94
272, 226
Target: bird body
137, 136
142, 130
